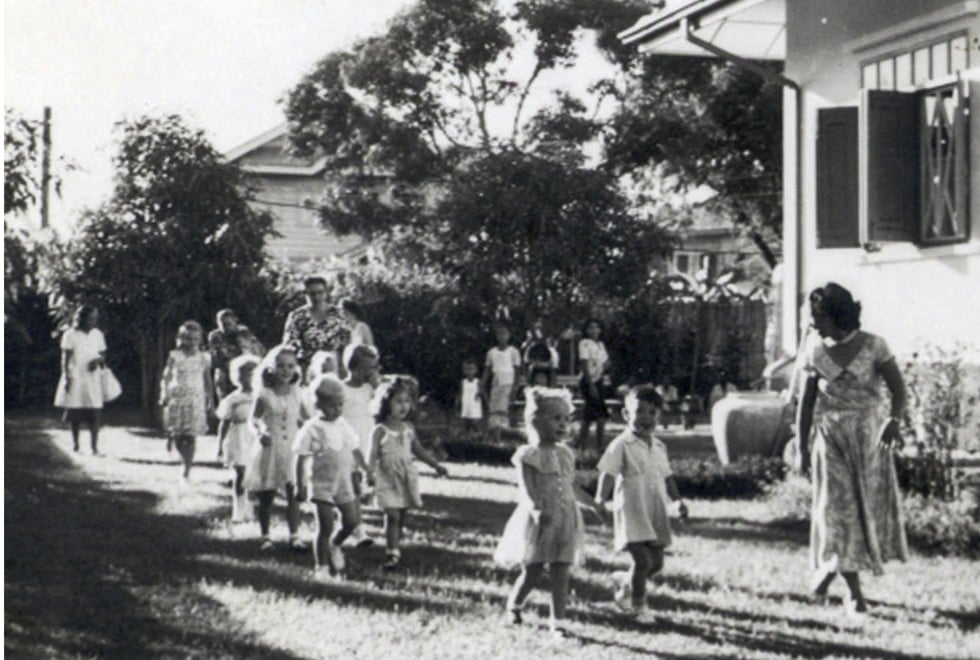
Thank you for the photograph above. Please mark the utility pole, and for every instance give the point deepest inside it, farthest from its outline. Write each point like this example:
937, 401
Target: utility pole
45, 165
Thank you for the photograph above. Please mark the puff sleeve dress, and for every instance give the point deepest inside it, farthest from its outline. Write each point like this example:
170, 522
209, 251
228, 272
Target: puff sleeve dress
548, 488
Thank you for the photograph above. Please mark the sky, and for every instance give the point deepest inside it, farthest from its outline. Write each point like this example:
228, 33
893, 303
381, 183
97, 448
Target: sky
222, 64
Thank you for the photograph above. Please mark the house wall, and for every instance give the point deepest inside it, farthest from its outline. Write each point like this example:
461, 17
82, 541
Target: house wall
908, 293
302, 236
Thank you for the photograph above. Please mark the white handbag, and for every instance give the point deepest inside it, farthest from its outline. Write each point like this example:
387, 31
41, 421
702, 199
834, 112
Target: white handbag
111, 389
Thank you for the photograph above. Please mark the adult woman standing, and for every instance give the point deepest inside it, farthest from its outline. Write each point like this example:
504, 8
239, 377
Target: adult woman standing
317, 325
856, 522
80, 387
360, 330
594, 363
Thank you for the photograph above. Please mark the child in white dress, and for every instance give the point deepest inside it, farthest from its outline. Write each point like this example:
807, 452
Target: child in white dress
280, 408
234, 432
393, 446
546, 529
470, 397
361, 364
327, 453
186, 393
637, 462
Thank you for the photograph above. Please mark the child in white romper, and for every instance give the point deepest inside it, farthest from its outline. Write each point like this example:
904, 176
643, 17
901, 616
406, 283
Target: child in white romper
234, 433
394, 445
327, 452
637, 462
361, 364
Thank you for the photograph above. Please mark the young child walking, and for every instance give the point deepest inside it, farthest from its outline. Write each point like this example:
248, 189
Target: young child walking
280, 407
393, 446
327, 452
186, 393
361, 364
234, 432
636, 464
470, 404
546, 529
322, 362
501, 375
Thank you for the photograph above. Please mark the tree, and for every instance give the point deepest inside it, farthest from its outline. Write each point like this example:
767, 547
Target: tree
704, 122
20, 162
489, 182
176, 240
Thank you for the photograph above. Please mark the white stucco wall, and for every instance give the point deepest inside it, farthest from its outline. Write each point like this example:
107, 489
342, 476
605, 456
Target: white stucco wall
909, 294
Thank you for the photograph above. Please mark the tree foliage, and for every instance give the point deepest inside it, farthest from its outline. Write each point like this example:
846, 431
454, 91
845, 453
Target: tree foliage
489, 182
704, 122
176, 240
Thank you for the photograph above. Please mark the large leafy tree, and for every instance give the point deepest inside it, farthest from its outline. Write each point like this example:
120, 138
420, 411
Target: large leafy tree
489, 182
176, 240
702, 122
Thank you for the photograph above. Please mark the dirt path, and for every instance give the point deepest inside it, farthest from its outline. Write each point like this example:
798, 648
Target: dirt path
97, 572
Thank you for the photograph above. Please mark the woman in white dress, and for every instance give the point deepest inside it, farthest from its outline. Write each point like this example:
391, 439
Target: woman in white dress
80, 387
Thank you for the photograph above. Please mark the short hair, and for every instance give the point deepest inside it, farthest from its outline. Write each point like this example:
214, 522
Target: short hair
355, 354
645, 393
589, 321
500, 325
837, 303
325, 378
317, 363
237, 367
469, 361
82, 314
548, 372
352, 308
227, 311
314, 279
539, 352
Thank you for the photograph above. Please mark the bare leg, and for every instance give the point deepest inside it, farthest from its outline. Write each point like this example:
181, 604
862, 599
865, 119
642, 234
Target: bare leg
265, 510
559, 590
640, 571
854, 586
292, 510
350, 518
186, 445
93, 429
824, 585
76, 430
324, 528
526, 581
393, 528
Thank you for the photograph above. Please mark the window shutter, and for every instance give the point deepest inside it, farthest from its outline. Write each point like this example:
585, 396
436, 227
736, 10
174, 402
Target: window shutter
837, 178
891, 139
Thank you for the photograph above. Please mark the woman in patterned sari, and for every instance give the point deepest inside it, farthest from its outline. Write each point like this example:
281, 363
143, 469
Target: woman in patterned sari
856, 520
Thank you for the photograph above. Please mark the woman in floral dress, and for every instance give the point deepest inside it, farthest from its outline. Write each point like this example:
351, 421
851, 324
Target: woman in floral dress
317, 326
856, 521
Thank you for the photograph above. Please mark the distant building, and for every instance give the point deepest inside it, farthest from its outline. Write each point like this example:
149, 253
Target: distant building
712, 245
289, 187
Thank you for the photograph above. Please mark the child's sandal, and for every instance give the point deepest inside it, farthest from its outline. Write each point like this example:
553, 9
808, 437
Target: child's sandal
392, 560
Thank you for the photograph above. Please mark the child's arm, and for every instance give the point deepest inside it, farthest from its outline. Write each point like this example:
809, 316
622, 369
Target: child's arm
675, 494
360, 462
165, 378
208, 389
603, 491
258, 424
423, 455
527, 481
375, 448
586, 501
300, 476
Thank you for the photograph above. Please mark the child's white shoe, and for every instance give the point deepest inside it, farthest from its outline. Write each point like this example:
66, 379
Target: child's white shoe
853, 618
624, 590
360, 538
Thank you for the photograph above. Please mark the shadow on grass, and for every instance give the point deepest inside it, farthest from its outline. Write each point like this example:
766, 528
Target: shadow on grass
732, 529
90, 572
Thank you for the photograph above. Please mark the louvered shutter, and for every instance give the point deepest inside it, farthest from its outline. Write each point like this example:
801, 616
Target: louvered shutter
837, 178
891, 139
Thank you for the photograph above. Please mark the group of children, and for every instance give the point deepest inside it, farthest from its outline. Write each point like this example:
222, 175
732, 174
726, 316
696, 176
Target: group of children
335, 440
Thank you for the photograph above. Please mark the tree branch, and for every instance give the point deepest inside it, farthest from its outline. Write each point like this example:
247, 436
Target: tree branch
538, 68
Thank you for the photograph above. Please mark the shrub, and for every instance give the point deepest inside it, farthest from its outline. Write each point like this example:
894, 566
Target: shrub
942, 402
928, 473
933, 526
937, 527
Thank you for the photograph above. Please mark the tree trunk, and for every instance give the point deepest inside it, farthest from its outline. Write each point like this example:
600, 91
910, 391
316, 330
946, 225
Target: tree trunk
697, 345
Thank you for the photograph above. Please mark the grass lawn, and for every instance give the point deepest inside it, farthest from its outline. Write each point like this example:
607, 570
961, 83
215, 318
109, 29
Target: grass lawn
111, 557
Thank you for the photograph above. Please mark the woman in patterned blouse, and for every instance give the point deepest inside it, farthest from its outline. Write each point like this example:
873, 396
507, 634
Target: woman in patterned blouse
317, 325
